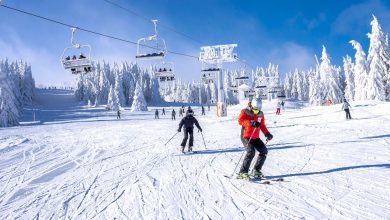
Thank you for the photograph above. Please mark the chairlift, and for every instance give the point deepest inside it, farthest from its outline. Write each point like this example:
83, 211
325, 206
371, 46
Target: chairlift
242, 78
208, 78
152, 47
78, 64
165, 71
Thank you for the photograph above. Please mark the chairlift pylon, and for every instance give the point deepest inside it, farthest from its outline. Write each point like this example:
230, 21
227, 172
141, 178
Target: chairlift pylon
78, 64
151, 47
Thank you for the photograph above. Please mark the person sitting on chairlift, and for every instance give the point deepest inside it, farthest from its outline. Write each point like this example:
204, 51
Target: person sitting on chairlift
82, 56
74, 57
67, 58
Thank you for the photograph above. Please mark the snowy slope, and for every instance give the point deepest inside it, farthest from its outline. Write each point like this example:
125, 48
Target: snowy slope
83, 163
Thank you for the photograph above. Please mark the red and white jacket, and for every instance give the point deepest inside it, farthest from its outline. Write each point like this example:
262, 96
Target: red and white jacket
244, 120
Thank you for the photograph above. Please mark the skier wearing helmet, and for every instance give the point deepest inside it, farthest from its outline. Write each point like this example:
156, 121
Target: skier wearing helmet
252, 119
188, 123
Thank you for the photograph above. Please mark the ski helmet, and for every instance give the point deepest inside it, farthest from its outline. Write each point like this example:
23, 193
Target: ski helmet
257, 103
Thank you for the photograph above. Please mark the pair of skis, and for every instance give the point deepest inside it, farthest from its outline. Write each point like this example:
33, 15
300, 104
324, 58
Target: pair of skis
263, 180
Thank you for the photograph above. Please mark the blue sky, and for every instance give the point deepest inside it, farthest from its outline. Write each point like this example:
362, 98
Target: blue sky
287, 33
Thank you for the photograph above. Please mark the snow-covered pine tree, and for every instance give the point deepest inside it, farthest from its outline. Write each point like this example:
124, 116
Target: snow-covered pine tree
360, 71
79, 91
315, 88
378, 63
139, 103
348, 66
9, 111
295, 84
288, 85
330, 79
113, 102
119, 85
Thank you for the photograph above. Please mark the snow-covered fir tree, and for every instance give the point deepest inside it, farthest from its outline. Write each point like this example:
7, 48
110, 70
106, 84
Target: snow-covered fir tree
113, 100
315, 89
348, 66
378, 62
139, 103
360, 71
330, 79
17, 90
288, 85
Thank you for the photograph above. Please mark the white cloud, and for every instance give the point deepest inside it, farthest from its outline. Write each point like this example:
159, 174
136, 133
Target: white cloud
356, 18
290, 56
46, 67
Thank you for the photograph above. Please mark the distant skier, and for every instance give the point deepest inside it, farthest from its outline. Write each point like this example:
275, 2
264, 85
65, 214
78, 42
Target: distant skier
203, 112
163, 111
180, 112
253, 121
346, 106
282, 104
278, 108
173, 114
188, 124
208, 107
156, 114
118, 114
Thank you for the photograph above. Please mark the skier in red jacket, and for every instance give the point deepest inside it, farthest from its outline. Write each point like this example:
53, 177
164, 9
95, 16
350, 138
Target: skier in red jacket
252, 119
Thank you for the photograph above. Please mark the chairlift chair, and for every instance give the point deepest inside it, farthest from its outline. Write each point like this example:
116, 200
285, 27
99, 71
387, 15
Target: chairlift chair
151, 47
78, 64
165, 71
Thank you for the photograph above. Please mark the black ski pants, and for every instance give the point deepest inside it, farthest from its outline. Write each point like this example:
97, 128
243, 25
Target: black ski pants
173, 117
188, 131
347, 114
251, 148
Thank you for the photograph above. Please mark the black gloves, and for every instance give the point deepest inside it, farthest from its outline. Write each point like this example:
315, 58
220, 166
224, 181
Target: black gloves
269, 136
255, 124
200, 129
179, 130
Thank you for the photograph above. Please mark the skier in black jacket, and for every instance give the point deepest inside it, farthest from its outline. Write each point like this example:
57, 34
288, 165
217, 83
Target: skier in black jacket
188, 123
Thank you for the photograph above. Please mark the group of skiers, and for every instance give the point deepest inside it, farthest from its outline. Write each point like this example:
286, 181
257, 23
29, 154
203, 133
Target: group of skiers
173, 114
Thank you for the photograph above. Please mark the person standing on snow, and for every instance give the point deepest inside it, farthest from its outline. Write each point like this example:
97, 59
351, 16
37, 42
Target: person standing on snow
203, 112
118, 114
180, 112
282, 104
173, 114
346, 106
163, 111
253, 121
188, 124
278, 108
156, 114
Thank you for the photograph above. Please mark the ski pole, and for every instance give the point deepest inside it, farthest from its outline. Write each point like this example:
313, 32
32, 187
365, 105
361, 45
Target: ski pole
243, 152
171, 138
203, 141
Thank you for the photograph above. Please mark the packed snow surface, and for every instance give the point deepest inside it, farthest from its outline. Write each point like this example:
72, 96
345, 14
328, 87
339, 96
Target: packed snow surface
76, 162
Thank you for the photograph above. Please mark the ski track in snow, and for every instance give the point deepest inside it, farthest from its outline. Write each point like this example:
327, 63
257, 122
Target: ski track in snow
82, 163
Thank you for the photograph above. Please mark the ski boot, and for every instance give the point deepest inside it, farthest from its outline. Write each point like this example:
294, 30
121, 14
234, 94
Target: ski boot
182, 149
190, 149
243, 176
257, 174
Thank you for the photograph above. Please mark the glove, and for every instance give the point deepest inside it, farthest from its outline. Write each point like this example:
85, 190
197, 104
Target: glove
200, 129
179, 130
269, 136
255, 124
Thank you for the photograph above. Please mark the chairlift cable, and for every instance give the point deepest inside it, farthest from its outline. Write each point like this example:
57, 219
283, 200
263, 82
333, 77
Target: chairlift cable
147, 19
90, 31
